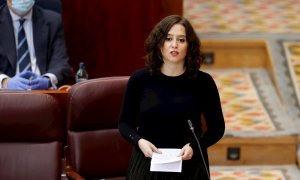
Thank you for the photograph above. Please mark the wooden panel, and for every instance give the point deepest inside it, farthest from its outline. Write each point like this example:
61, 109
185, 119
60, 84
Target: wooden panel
238, 53
256, 151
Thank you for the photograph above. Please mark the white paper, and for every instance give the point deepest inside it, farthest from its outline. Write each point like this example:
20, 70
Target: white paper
168, 161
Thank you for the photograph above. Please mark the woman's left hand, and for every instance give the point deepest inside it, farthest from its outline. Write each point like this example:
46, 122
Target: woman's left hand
186, 152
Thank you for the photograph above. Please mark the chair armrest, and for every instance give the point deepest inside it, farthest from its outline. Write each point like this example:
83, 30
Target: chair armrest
64, 88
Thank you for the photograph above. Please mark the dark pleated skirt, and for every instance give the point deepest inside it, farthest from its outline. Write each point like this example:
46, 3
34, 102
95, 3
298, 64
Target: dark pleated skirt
139, 169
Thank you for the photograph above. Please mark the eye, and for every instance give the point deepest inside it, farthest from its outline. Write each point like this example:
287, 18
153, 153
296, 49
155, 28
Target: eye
182, 40
168, 39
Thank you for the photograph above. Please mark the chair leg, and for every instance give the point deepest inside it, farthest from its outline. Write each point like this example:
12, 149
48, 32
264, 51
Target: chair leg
71, 174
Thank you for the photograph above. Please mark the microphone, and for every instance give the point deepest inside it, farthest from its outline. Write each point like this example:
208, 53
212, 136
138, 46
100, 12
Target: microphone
199, 147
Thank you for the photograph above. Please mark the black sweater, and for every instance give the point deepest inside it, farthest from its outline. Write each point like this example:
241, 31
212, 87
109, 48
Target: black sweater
156, 108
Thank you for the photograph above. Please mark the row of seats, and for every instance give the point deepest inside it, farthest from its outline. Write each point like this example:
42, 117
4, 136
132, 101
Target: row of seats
32, 132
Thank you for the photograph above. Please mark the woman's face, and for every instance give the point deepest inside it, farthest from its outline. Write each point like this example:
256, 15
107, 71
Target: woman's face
175, 46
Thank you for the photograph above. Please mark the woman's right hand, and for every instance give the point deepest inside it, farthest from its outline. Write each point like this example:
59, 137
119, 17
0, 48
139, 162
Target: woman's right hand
147, 148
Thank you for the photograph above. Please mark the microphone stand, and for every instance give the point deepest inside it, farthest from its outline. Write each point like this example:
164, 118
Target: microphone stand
199, 147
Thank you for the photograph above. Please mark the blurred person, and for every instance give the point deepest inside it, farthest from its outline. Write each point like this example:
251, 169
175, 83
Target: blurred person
38, 61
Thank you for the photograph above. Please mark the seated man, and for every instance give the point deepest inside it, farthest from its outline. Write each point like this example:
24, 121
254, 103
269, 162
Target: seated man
32, 47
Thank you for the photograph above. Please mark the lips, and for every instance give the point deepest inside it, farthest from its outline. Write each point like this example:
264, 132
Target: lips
174, 53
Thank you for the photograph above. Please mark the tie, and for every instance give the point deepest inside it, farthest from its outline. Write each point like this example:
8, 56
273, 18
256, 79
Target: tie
23, 51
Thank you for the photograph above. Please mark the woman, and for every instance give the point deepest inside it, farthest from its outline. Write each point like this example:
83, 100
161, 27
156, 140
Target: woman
161, 98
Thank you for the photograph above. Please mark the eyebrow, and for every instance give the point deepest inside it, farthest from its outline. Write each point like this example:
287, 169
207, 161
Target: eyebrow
177, 35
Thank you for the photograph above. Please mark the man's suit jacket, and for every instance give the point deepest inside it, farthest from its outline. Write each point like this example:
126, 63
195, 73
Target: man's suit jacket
48, 40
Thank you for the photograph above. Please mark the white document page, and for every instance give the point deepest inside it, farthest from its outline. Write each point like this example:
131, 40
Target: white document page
168, 161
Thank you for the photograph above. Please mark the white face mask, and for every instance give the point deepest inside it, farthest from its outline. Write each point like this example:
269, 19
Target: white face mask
22, 6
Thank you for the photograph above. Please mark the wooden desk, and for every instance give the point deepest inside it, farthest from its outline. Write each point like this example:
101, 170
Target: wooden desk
60, 95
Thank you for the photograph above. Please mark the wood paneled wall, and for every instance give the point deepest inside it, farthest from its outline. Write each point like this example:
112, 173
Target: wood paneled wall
109, 35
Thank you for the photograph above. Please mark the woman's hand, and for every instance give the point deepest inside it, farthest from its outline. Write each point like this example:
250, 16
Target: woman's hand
147, 148
186, 152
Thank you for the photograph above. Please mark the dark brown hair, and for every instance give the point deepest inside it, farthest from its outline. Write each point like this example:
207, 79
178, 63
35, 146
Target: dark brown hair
157, 37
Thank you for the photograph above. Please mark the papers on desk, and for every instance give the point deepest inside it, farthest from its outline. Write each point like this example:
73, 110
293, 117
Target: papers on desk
168, 161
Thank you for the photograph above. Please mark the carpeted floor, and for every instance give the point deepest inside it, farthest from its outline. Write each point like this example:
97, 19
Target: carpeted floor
207, 18
243, 15
250, 104
292, 54
277, 22
280, 172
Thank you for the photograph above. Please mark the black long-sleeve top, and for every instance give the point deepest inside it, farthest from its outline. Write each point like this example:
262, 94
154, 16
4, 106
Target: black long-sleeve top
157, 108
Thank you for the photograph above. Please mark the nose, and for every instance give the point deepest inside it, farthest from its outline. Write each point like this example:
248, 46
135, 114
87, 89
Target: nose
174, 44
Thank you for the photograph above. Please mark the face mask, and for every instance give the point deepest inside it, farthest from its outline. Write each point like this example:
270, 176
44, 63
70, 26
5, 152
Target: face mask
22, 6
